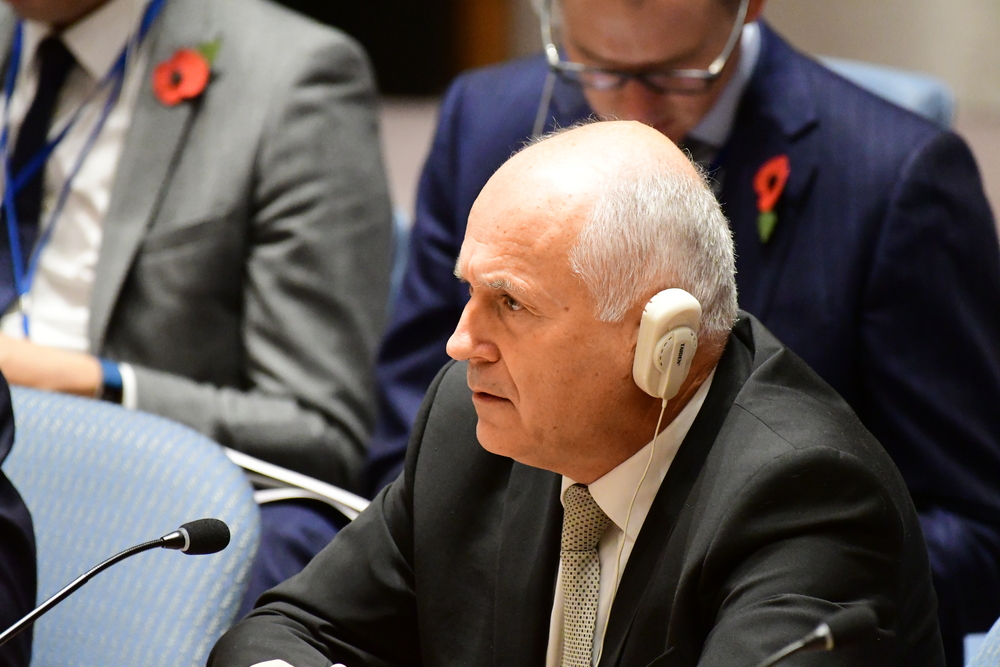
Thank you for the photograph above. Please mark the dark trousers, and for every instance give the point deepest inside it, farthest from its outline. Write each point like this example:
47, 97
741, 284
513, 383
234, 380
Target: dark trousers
292, 532
968, 588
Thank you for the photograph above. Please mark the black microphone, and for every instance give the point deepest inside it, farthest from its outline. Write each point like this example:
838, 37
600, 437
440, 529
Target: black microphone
844, 627
204, 536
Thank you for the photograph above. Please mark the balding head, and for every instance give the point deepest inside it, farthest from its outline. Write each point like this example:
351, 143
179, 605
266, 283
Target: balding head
651, 221
605, 147
551, 371
570, 167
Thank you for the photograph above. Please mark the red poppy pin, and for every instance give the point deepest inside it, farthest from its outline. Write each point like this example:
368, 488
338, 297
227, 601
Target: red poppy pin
769, 184
185, 74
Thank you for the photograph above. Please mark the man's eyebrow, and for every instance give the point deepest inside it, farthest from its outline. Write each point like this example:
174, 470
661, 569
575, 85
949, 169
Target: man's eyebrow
502, 284
505, 285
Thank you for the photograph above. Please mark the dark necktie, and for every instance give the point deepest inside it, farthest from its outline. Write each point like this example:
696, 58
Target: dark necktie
701, 152
55, 62
704, 154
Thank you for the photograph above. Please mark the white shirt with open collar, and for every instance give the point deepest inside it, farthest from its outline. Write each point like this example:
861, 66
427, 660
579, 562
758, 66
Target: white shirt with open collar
613, 493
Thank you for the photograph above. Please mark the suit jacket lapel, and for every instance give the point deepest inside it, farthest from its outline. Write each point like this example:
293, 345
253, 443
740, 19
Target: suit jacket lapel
148, 158
776, 117
527, 564
659, 549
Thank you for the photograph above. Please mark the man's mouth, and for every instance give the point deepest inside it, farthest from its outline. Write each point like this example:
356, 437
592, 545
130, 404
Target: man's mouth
484, 397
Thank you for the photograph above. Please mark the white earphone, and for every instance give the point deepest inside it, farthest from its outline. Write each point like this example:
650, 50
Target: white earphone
667, 342
664, 349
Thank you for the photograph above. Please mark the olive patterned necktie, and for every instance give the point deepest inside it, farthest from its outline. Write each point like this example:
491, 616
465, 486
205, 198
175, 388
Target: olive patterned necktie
583, 524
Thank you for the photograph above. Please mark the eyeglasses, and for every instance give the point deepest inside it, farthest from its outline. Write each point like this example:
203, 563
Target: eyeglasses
683, 81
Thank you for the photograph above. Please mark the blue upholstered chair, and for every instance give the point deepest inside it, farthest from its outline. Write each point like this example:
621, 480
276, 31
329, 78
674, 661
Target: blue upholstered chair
983, 650
922, 94
400, 249
97, 479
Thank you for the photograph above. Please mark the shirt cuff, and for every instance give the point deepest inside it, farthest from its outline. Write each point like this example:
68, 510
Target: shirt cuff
130, 396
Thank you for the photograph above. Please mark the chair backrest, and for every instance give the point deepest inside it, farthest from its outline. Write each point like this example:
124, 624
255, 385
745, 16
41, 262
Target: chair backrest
984, 650
98, 479
920, 93
401, 224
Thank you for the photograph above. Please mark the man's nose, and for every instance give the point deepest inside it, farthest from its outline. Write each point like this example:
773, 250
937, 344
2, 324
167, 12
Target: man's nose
638, 102
460, 343
470, 339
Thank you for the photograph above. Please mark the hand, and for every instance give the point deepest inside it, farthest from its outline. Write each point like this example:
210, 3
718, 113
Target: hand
30, 365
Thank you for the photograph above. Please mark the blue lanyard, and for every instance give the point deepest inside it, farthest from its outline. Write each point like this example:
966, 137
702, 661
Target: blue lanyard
13, 183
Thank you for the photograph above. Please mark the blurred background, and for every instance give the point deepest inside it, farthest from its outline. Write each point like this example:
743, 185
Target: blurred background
418, 47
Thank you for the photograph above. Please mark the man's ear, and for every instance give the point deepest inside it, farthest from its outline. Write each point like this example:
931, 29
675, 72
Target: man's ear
754, 9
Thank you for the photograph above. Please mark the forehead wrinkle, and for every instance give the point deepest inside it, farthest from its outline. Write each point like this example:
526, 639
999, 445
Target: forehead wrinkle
502, 283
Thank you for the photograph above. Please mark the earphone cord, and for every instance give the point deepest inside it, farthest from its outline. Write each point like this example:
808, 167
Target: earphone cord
628, 518
543, 105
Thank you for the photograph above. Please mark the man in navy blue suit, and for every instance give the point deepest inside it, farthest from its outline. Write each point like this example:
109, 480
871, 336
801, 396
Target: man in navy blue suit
864, 242
17, 550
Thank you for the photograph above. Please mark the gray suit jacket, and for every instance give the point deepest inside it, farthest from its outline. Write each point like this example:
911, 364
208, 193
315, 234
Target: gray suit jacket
244, 265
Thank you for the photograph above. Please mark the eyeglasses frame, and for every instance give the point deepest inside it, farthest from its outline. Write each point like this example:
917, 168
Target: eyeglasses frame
708, 76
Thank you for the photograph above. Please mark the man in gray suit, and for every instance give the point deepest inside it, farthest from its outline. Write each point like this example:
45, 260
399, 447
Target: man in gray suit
211, 233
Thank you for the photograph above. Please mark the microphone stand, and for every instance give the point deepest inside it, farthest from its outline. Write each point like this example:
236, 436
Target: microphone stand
79, 581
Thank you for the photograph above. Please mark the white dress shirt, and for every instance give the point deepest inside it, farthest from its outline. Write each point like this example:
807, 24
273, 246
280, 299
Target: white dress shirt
613, 493
58, 303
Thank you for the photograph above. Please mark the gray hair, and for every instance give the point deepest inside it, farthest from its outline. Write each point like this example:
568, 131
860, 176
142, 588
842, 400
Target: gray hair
653, 228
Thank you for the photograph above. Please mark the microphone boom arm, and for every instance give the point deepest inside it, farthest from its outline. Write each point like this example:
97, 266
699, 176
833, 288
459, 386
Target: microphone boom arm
13, 630
780, 655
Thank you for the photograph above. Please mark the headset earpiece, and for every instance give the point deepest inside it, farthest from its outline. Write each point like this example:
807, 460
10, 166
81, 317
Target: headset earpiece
667, 342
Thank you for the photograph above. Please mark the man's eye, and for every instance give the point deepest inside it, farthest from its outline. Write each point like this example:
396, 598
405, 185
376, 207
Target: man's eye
511, 302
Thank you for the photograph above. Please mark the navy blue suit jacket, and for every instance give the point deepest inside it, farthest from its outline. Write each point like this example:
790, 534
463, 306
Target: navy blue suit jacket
17, 550
883, 273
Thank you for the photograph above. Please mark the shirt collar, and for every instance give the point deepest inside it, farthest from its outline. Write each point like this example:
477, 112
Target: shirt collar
613, 492
96, 40
715, 127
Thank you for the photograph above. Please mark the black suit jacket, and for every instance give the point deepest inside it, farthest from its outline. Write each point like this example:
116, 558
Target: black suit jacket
778, 508
17, 550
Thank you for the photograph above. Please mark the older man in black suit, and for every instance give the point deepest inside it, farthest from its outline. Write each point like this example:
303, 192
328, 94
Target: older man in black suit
880, 227
545, 517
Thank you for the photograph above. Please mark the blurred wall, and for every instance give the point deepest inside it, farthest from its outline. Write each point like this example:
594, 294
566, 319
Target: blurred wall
956, 40
411, 44
525, 37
